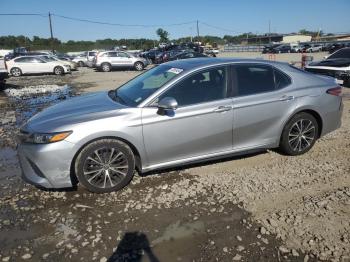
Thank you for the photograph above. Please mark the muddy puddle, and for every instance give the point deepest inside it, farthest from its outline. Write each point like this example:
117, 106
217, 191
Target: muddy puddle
22, 103
28, 101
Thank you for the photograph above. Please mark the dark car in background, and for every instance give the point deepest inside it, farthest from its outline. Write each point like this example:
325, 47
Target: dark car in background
336, 46
268, 48
187, 55
282, 49
151, 54
336, 65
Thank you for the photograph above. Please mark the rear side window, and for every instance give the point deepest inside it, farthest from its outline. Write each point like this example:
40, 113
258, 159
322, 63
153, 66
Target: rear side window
23, 60
255, 79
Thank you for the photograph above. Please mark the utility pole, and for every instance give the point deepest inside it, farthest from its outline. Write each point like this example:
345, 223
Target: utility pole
197, 31
269, 31
51, 32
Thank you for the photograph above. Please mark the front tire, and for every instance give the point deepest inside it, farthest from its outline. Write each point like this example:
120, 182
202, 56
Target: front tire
58, 70
139, 66
105, 165
81, 64
16, 72
299, 135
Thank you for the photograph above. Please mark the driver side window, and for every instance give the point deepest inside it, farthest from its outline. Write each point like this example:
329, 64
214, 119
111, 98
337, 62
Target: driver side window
204, 86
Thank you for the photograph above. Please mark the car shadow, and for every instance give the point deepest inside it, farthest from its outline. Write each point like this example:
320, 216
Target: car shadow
133, 247
208, 162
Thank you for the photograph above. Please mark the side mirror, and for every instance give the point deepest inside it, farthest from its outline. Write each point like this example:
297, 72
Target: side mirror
167, 103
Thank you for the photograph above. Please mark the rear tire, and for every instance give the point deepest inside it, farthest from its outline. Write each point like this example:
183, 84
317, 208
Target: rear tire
299, 134
139, 66
81, 64
16, 72
58, 70
105, 165
106, 67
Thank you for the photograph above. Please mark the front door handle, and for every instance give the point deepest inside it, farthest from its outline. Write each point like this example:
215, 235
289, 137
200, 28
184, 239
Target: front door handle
222, 109
286, 98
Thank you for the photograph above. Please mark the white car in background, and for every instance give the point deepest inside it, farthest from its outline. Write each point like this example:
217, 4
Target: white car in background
35, 65
81, 60
107, 60
50, 58
314, 48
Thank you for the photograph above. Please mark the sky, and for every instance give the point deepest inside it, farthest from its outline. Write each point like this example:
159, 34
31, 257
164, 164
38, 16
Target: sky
216, 17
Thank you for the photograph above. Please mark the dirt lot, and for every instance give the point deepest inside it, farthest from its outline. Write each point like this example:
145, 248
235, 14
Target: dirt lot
261, 207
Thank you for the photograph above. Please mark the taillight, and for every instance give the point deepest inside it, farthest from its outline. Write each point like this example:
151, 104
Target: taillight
335, 91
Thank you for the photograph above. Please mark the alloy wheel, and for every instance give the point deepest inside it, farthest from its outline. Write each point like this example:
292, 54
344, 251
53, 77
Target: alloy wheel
301, 135
16, 72
58, 71
105, 167
138, 66
106, 68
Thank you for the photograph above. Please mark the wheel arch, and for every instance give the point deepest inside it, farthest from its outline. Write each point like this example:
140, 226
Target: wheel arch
137, 155
310, 111
139, 62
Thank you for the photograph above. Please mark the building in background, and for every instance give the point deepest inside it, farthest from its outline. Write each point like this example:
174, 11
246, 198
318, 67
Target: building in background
287, 39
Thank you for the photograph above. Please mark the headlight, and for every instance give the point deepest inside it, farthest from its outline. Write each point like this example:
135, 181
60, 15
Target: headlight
42, 138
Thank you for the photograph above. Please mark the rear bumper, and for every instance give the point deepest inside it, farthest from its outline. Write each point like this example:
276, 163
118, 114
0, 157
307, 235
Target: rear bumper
46, 165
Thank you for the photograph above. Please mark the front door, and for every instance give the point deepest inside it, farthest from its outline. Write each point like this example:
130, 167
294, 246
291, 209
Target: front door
200, 126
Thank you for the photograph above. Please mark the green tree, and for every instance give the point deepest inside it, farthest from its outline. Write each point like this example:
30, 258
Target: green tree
163, 35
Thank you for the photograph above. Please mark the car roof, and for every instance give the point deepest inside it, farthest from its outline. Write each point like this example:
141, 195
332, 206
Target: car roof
195, 63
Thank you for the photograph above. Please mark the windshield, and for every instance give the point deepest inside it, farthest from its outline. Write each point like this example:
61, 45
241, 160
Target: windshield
342, 53
138, 89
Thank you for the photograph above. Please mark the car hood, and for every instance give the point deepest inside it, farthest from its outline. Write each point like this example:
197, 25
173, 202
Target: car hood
336, 62
73, 111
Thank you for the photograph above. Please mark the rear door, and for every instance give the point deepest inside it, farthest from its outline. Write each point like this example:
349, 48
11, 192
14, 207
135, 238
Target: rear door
261, 104
24, 63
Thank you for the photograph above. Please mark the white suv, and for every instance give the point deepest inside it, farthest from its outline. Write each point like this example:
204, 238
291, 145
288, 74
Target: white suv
105, 61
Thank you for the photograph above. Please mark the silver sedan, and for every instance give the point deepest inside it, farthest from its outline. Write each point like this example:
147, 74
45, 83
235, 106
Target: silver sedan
177, 113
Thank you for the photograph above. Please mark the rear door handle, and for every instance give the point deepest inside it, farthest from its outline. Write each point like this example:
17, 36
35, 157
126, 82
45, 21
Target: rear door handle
222, 109
286, 98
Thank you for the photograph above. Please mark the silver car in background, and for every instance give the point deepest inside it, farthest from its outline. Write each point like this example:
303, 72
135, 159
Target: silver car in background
105, 61
174, 114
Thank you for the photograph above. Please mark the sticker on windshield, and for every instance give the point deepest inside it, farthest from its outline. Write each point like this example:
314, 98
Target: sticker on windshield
175, 70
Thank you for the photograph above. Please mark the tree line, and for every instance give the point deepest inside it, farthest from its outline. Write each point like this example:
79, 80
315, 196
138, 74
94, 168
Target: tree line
39, 43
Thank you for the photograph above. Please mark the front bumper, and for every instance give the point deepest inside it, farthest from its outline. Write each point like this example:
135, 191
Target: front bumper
66, 69
47, 165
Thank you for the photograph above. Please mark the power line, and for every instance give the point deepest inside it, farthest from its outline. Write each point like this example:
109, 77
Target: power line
118, 24
23, 14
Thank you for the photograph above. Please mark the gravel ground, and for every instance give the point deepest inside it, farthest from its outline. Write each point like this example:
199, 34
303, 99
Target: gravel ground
261, 207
